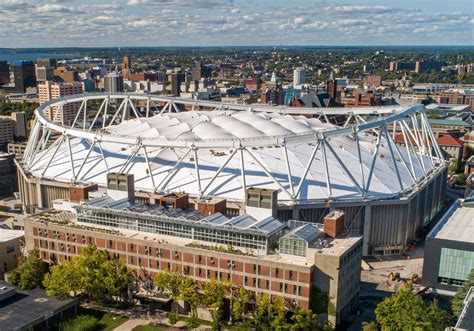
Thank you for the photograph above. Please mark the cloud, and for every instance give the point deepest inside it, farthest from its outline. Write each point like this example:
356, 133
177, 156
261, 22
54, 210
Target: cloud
53, 8
13, 4
222, 22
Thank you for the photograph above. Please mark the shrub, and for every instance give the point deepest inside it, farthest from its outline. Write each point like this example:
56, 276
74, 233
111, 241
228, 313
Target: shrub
80, 323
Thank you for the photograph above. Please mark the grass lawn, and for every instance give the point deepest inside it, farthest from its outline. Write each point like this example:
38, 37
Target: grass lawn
107, 321
147, 328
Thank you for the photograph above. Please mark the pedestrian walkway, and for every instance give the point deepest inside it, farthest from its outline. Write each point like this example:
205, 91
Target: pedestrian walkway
130, 324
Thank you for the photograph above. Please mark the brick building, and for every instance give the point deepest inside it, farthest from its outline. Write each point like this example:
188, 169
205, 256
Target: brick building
152, 238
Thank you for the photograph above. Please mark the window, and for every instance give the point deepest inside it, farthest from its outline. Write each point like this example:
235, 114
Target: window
10, 248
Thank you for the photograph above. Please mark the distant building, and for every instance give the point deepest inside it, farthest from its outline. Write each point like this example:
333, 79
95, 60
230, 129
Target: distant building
457, 97
19, 124
449, 248
274, 97
66, 74
331, 88
454, 127
312, 100
421, 66
299, 76
113, 82
201, 71
451, 147
54, 90
6, 131
24, 75
143, 75
175, 79
44, 62
373, 80
161, 76
7, 175
127, 67
359, 98
44, 73
399, 66
4, 73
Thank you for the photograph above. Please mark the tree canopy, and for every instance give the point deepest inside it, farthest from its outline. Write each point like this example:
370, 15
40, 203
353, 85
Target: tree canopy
405, 310
457, 304
92, 275
30, 273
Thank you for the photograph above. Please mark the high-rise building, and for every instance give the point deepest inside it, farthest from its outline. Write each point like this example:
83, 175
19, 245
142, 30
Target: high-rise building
25, 75
6, 131
274, 97
8, 183
44, 73
44, 62
19, 124
331, 87
4, 73
127, 67
175, 80
201, 71
161, 76
113, 82
55, 90
299, 76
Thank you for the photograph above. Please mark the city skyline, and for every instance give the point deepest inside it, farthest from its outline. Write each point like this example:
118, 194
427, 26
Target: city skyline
121, 23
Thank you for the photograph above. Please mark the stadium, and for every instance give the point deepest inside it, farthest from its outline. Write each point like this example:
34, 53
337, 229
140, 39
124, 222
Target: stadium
388, 191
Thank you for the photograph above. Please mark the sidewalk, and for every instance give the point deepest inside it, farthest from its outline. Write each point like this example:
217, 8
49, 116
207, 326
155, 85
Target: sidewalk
130, 324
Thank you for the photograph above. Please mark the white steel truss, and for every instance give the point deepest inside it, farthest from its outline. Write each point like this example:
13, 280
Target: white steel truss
383, 124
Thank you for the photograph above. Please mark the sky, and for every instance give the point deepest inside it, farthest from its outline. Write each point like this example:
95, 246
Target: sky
115, 23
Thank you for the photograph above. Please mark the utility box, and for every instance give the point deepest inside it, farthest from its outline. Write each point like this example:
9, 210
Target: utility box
261, 203
334, 223
175, 201
81, 192
211, 206
121, 186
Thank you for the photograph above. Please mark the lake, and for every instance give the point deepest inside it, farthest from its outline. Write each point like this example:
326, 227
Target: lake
11, 55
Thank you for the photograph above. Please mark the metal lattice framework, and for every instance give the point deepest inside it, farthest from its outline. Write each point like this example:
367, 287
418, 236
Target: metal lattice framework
364, 147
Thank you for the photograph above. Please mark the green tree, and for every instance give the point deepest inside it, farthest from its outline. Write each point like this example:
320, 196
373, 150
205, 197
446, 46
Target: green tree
169, 282
31, 272
303, 319
240, 298
215, 292
369, 326
188, 292
457, 304
63, 279
405, 310
93, 275
262, 308
278, 310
